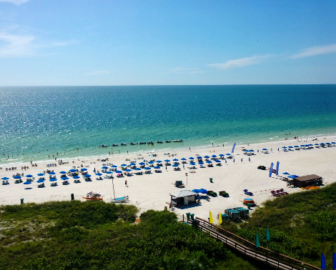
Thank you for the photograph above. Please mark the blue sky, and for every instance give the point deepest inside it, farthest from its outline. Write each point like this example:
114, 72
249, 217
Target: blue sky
154, 42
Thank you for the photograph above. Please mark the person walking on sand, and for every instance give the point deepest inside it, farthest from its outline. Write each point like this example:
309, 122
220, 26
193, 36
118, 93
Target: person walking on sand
126, 183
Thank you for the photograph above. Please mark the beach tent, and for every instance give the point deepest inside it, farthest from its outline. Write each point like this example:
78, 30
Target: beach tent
307, 180
181, 197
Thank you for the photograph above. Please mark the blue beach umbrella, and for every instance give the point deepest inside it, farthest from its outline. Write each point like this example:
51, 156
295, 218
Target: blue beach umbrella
167, 160
119, 172
147, 168
52, 179
209, 161
290, 146
284, 147
175, 165
40, 174
221, 155
87, 175
17, 177
123, 165
29, 176
84, 169
114, 166
104, 167
40, 181
133, 164
296, 146
183, 159
191, 158
142, 163
251, 151
99, 174
192, 163
27, 183
61, 172
218, 161
157, 167
76, 177
199, 157
200, 162
214, 156
206, 156
316, 144
52, 173
196, 190
108, 172
264, 149
150, 162
292, 176
5, 178
202, 190
158, 161
175, 159
73, 170
228, 154
65, 178
286, 173
138, 169
128, 170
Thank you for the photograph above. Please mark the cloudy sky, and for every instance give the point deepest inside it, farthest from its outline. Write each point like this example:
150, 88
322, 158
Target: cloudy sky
155, 42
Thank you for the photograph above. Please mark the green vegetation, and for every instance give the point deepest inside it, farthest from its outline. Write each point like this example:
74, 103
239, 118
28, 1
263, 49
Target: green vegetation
301, 225
96, 235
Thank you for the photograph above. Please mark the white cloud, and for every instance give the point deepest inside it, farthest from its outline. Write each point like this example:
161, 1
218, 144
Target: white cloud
180, 70
241, 62
16, 45
15, 2
317, 50
98, 72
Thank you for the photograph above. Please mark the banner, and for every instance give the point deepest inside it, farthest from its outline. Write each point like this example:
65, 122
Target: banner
277, 168
233, 148
271, 170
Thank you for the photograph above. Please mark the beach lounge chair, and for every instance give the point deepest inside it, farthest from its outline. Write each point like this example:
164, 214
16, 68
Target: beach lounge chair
275, 194
283, 192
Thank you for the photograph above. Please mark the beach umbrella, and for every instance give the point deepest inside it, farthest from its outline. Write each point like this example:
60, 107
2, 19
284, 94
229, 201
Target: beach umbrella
108, 172
150, 162
87, 175
201, 162
133, 164
192, 163
104, 167
29, 176
76, 177
333, 142
183, 159
218, 161
119, 172
206, 156
175, 165
65, 178
251, 150
40, 181
142, 163
123, 165
175, 159
292, 176
221, 155
316, 144
209, 161
191, 158
296, 146
128, 170
27, 183
61, 172
157, 167
99, 174
5, 178
52, 179
204, 191
290, 146
17, 177
196, 190
158, 161
199, 157
52, 173
286, 173
167, 160
114, 166
264, 149
138, 169
214, 156
85, 169
147, 168
73, 170
228, 154
40, 174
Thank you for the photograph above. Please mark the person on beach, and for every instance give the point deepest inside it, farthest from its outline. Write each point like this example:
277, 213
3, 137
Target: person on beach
249, 159
241, 159
126, 183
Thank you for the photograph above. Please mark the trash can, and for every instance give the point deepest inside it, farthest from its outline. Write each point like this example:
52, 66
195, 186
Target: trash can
188, 216
21, 200
192, 216
211, 180
249, 206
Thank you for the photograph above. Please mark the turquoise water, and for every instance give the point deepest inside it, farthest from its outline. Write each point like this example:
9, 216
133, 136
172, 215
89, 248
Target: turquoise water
41, 121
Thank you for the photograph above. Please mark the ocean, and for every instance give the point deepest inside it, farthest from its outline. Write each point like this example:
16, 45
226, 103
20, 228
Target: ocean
38, 122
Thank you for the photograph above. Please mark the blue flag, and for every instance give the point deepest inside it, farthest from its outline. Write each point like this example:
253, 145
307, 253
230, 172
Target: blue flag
271, 170
233, 148
323, 262
334, 261
277, 168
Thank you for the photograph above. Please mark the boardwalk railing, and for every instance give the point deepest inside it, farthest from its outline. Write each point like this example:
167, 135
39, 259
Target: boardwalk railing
242, 245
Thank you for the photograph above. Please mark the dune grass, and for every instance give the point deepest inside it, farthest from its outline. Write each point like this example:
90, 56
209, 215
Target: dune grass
302, 225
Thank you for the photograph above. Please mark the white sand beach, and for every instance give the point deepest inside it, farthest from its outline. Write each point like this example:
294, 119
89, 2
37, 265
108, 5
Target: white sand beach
152, 191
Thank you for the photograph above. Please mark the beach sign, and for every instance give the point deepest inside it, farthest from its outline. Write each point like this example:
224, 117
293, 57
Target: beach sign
210, 218
271, 170
220, 218
277, 168
233, 148
323, 262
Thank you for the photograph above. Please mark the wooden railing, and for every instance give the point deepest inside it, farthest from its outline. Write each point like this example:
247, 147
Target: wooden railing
242, 245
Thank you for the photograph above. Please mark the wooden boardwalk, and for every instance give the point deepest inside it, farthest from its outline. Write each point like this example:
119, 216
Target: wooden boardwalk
267, 256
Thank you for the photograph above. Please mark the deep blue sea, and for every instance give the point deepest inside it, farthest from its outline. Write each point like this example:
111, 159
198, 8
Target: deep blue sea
73, 121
